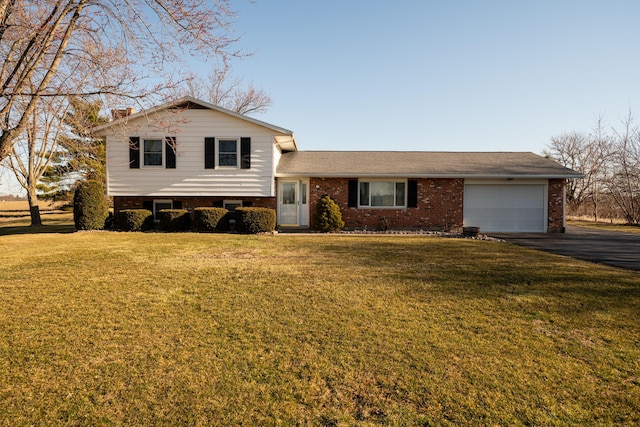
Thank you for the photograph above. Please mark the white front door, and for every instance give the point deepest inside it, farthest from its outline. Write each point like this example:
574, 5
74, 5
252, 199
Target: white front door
293, 208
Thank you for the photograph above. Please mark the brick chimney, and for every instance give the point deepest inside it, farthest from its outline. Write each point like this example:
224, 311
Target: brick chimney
118, 114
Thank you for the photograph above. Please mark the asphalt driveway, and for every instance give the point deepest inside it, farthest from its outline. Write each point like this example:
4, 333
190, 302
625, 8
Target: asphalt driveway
604, 247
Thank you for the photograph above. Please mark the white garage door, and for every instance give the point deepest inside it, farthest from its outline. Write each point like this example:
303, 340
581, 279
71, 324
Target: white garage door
505, 208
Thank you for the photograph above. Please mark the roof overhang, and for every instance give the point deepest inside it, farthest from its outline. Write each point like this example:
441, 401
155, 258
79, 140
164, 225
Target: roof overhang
286, 143
449, 176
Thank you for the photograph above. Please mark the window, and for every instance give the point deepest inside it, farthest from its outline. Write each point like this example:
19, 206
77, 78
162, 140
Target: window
228, 153
387, 194
158, 205
303, 193
152, 152
231, 205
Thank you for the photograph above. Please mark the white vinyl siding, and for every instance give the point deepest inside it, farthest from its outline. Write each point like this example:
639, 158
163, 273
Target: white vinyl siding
191, 178
516, 207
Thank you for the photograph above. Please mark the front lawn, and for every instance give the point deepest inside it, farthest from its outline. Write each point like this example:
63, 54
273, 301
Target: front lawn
102, 328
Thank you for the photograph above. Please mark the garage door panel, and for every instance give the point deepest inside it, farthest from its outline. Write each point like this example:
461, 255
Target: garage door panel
505, 208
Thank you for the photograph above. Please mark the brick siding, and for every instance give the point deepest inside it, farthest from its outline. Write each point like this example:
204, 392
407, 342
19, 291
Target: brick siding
190, 203
555, 210
439, 206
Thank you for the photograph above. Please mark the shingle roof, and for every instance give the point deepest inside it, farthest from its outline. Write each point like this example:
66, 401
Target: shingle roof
420, 164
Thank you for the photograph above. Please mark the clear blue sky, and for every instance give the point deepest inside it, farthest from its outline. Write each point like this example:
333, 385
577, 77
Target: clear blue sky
441, 75
463, 75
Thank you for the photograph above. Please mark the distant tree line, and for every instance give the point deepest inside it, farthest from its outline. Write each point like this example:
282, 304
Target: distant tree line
609, 158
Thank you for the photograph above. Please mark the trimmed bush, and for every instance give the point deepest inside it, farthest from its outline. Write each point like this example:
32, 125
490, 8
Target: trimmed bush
90, 207
174, 219
210, 219
328, 217
255, 220
110, 222
135, 220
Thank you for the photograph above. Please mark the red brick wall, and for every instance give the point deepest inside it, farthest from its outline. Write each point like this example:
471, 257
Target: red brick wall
439, 205
555, 207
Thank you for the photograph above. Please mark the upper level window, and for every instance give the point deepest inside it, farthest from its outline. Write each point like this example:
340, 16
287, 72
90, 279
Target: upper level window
152, 152
388, 194
228, 152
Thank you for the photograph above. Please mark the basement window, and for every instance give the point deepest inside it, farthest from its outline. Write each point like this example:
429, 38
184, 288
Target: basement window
158, 205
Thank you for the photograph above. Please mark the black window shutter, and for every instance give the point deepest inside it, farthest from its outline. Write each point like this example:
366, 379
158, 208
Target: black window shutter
245, 153
134, 152
148, 205
170, 152
177, 204
412, 193
209, 153
353, 193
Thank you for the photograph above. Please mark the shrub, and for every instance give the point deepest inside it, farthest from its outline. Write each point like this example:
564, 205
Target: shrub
135, 220
210, 219
109, 222
90, 208
174, 219
255, 220
328, 217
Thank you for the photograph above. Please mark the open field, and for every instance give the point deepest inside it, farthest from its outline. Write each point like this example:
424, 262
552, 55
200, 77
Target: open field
615, 226
104, 328
7, 206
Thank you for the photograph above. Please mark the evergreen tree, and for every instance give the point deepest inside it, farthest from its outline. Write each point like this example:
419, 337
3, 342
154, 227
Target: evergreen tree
79, 155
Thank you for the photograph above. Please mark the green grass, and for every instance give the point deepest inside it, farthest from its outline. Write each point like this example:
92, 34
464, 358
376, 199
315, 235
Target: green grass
605, 225
106, 328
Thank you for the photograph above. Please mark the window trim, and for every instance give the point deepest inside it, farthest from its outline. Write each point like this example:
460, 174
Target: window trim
218, 152
162, 152
395, 183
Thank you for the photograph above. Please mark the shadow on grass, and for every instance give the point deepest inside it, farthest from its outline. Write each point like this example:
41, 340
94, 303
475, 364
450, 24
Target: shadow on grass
42, 229
53, 223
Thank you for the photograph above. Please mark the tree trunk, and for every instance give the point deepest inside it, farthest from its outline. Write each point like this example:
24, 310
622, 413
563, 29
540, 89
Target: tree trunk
34, 209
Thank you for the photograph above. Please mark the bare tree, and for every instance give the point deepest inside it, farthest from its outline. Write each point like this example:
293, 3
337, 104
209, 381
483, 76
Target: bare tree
610, 162
36, 147
222, 89
623, 181
587, 154
122, 47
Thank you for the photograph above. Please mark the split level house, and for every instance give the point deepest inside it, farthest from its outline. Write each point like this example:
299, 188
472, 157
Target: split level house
188, 153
